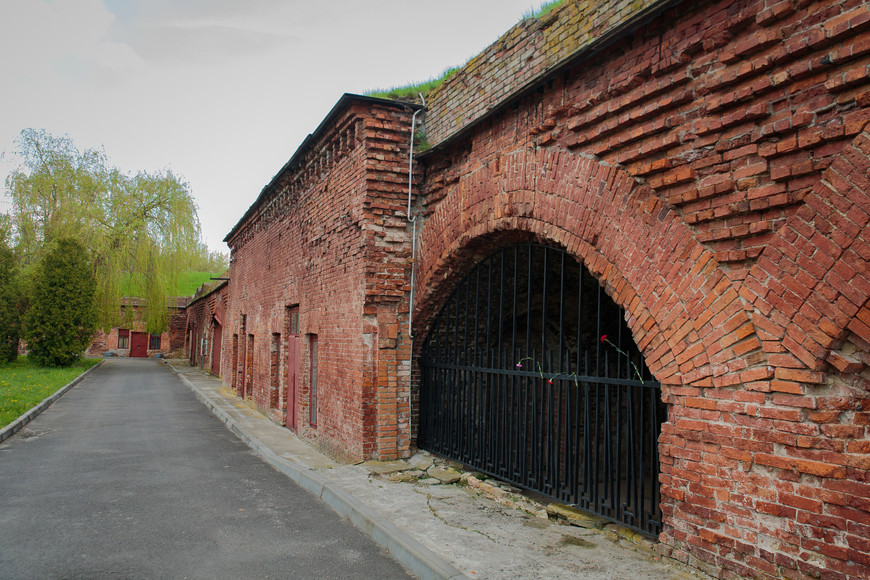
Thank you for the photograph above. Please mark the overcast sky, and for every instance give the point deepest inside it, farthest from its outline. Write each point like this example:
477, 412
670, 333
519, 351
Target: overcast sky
221, 92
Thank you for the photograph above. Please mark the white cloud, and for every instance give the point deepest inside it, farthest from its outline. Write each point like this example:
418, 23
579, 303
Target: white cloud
65, 36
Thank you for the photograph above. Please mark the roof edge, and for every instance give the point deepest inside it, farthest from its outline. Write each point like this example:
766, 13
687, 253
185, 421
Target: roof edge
194, 299
343, 103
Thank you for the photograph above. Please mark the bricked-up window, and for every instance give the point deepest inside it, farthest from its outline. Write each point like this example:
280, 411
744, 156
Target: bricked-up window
235, 366
154, 342
313, 365
242, 359
123, 338
293, 319
249, 367
275, 369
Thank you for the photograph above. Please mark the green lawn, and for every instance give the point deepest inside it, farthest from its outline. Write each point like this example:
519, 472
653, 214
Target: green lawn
23, 385
189, 282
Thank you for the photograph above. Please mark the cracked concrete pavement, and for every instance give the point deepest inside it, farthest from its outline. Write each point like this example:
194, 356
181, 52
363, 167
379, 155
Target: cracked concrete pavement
486, 539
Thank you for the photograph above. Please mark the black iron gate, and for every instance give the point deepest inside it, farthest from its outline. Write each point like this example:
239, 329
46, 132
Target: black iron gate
530, 374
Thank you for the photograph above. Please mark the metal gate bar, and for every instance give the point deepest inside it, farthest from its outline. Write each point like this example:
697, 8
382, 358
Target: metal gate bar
529, 374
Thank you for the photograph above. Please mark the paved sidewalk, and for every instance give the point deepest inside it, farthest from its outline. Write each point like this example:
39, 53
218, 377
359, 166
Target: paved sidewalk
469, 529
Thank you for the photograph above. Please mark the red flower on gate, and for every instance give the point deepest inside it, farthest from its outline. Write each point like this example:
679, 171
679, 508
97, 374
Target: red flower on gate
625, 354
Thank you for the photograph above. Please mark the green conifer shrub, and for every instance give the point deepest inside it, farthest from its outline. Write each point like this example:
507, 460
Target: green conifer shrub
10, 319
62, 316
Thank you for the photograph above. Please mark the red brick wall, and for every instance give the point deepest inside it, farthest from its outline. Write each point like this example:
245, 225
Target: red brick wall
205, 311
330, 236
711, 170
175, 333
100, 343
708, 167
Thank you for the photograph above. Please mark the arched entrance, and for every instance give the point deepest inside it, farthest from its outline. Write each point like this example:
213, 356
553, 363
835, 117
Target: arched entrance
530, 374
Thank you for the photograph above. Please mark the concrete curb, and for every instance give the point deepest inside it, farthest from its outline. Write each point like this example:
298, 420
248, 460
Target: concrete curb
421, 561
19, 423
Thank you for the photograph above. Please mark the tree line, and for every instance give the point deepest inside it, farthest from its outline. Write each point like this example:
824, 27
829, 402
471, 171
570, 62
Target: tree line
81, 235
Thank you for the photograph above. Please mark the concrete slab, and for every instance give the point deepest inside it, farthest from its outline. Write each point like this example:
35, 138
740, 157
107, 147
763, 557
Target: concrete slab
384, 467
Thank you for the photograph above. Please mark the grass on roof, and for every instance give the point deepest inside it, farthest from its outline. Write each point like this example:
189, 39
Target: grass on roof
411, 92
544, 9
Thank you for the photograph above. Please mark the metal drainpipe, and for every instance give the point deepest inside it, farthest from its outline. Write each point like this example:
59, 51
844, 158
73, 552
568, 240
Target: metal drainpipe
413, 221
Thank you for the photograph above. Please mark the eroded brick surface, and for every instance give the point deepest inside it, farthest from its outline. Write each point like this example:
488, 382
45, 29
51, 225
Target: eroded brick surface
709, 167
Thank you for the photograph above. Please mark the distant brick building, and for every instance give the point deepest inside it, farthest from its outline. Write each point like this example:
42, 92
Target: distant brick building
134, 341
641, 264
204, 326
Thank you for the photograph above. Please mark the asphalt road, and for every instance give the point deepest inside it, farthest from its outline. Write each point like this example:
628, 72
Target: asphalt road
129, 476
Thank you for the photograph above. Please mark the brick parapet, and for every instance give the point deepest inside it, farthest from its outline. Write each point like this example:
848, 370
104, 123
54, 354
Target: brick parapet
524, 54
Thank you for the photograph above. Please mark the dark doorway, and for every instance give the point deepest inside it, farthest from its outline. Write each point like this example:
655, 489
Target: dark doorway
293, 368
217, 337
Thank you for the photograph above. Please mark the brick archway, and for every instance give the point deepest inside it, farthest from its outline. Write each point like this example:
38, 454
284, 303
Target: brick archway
685, 314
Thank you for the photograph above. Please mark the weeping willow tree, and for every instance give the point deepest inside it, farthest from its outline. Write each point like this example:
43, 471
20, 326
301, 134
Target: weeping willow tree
140, 231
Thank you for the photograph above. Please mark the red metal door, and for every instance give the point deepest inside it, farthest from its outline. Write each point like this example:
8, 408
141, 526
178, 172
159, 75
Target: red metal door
139, 344
216, 349
292, 380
